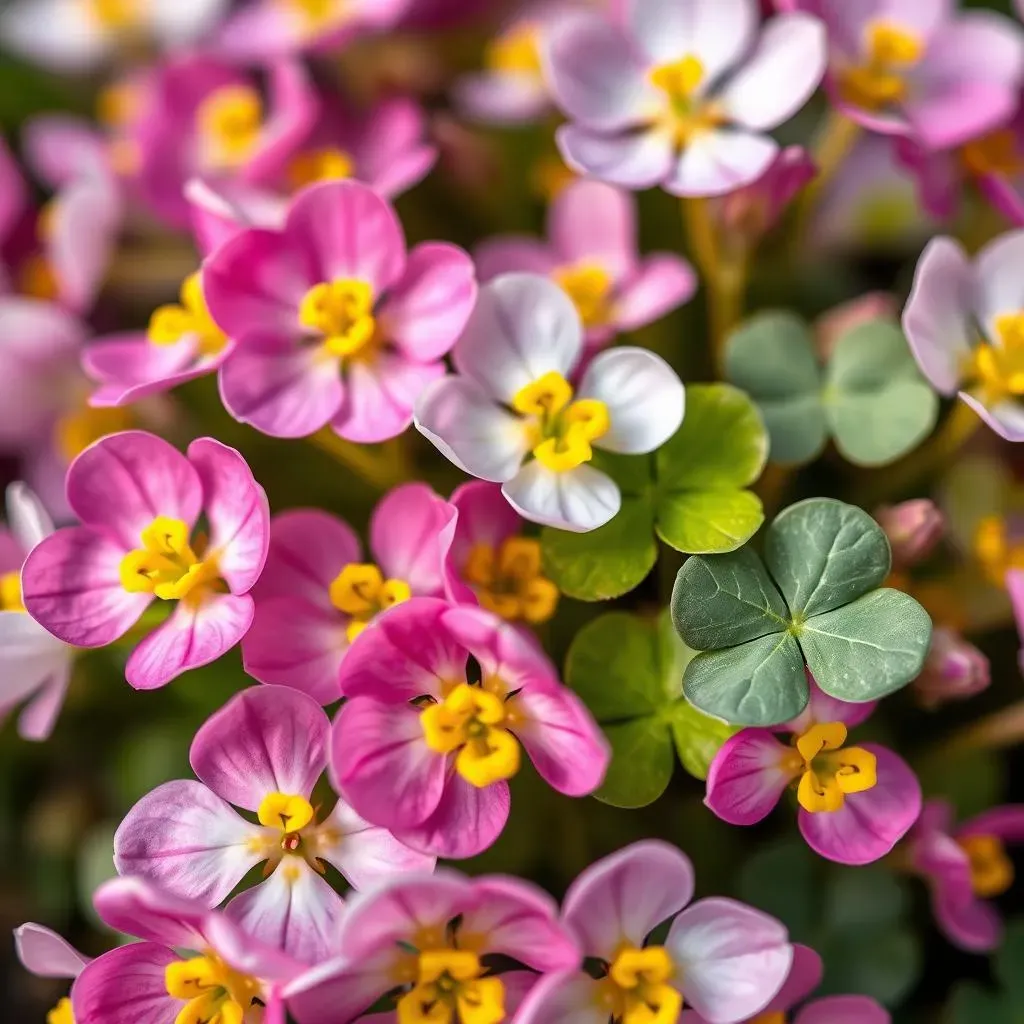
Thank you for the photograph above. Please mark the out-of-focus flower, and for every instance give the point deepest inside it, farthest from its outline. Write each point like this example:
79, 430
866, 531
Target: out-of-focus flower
48, 955
965, 324
429, 941
954, 670
75, 35
317, 594
333, 322
491, 564
913, 528
680, 93
591, 254
139, 500
36, 665
966, 867
421, 749
263, 751
1015, 587
613, 907
841, 319
268, 29
193, 964
512, 400
921, 69
855, 802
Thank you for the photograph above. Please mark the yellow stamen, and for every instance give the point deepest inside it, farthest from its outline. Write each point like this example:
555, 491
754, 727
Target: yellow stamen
36, 278
516, 52
829, 771
549, 177
313, 165
169, 324
509, 581
449, 988
995, 153
776, 1017
471, 722
287, 811
997, 554
75, 431
314, 13
230, 120
991, 869
117, 104
10, 592
61, 1013
342, 312
638, 990
589, 286
361, 592
214, 992
115, 14
999, 368
880, 80
167, 566
689, 113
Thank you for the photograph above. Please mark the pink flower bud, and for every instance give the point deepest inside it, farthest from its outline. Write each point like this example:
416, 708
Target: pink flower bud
913, 528
954, 670
842, 319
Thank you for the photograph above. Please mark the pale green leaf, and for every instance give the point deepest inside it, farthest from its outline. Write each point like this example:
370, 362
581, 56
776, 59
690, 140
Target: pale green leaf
641, 765
709, 522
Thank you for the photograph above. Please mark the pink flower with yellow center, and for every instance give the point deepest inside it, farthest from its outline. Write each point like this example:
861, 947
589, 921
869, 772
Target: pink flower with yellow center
46, 954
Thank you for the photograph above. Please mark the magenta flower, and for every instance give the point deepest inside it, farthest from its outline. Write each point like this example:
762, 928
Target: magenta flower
36, 666
263, 751
966, 867
804, 978
317, 593
921, 68
727, 960
193, 964
965, 324
855, 802
592, 255
424, 939
1015, 588
48, 955
913, 529
334, 323
954, 670
680, 93
139, 500
490, 563
422, 750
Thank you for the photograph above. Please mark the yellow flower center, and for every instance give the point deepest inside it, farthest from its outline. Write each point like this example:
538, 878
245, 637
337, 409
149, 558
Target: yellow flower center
230, 120
115, 14
361, 592
10, 592
999, 368
515, 52
214, 993
549, 177
74, 432
995, 551
342, 312
167, 566
169, 324
777, 1017
287, 811
995, 153
637, 989
508, 581
589, 286
36, 278
61, 1013
560, 430
313, 165
450, 990
313, 13
991, 869
472, 720
689, 113
828, 771
880, 80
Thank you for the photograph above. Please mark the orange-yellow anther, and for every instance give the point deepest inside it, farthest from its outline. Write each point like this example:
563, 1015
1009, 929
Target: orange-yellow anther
638, 990
880, 79
828, 771
998, 368
997, 152
515, 52
991, 868
169, 324
361, 592
449, 989
341, 312
115, 14
313, 13
76, 430
214, 993
10, 592
997, 552
509, 582
313, 165
61, 1013
689, 113
230, 120
287, 811
589, 286
166, 564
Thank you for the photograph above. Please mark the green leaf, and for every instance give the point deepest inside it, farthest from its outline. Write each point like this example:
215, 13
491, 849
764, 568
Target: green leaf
641, 764
698, 737
868, 649
865, 897
784, 879
972, 1004
761, 682
883, 963
720, 600
823, 554
708, 522
797, 428
1008, 962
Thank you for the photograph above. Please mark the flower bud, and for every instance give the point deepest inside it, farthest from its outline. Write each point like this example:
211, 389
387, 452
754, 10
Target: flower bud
913, 528
953, 670
842, 319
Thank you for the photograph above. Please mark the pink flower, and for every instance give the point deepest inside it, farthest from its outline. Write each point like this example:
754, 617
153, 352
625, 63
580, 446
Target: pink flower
954, 669
727, 959
46, 954
843, 318
919, 68
316, 594
490, 563
419, 931
680, 93
855, 802
139, 500
263, 751
966, 867
913, 528
334, 323
422, 750
192, 964
804, 978
592, 254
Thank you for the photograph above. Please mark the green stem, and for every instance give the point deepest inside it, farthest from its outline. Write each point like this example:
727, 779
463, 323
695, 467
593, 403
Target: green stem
382, 466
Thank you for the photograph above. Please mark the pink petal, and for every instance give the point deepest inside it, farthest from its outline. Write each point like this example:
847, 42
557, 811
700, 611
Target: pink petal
237, 510
501, 98
1006, 418
564, 998
13, 192
1007, 823
190, 638
721, 161
824, 708
747, 777
870, 823
46, 954
804, 977
503, 254
246, 954
219, 214
592, 222
969, 923
959, 111
293, 112
404, 536
844, 1010
293, 642
293, 910
129, 367
662, 282
126, 986
627, 895
72, 585
502, 649
337, 991
39, 716
137, 907
393, 153
382, 765
634, 160
145, 475
266, 739
185, 839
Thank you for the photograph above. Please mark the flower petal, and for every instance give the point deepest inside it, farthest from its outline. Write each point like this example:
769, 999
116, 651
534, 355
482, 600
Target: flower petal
28, 519
503, 254
404, 532
747, 777
577, 500
635, 160
591, 222
563, 998
46, 954
137, 907
126, 986
662, 282
844, 1010
1006, 822
79, 44
1006, 418
998, 286
338, 991
804, 977
721, 161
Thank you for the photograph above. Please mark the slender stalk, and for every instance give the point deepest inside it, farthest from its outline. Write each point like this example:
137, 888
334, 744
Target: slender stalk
997, 731
382, 465
831, 148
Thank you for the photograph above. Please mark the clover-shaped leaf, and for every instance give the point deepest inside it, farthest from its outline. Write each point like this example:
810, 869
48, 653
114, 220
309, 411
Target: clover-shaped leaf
814, 601
628, 670
870, 398
692, 493
973, 1003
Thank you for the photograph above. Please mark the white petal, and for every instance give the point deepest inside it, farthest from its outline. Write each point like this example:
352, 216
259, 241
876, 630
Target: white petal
644, 396
180, 21
59, 34
637, 160
999, 272
721, 161
29, 521
578, 500
23, 639
783, 72
467, 426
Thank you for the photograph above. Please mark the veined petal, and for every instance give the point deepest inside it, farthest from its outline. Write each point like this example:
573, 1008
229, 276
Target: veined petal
29, 521
46, 954
662, 282
721, 161
137, 907
577, 500
747, 777
590, 221
804, 977
126, 986
563, 998
337, 991
997, 285
404, 533
634, 160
